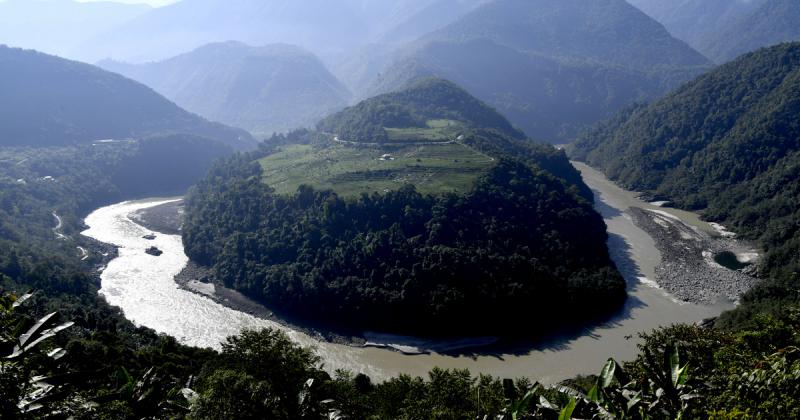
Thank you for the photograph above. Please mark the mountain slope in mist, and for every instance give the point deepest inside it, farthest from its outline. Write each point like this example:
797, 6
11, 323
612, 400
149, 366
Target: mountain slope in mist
553, 67
52, 101
696, 21
266, 89
325, 27
775, 21
724, 29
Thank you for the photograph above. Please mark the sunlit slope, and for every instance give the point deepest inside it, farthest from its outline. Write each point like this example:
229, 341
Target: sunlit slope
350, 171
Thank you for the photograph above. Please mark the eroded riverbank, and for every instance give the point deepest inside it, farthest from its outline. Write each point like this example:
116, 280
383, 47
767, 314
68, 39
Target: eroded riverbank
144, 287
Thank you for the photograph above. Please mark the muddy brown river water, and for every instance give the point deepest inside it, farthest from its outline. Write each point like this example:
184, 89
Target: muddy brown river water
144, 287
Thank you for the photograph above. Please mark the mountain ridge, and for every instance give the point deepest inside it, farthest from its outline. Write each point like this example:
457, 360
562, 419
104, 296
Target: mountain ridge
272, 88
417, 102
59, 102
496, 53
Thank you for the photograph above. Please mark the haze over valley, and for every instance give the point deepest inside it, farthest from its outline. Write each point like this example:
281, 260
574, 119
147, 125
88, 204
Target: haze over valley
399, 209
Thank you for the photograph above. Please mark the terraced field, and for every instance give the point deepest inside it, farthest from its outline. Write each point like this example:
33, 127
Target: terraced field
350, 171
436, 131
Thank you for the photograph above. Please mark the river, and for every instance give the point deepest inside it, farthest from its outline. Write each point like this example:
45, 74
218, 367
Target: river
143, 287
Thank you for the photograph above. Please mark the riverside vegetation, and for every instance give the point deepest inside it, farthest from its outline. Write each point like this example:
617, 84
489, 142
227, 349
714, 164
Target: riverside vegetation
508, 235
87, 361
728, 149
103, 367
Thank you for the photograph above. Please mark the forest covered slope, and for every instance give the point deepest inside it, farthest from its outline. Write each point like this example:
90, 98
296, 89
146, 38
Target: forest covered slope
728, 144
412, 233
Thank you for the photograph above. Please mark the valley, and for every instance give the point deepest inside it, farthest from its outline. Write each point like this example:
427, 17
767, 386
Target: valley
399, 209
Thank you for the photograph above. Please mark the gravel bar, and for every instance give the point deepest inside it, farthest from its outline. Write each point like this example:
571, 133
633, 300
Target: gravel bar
687, 269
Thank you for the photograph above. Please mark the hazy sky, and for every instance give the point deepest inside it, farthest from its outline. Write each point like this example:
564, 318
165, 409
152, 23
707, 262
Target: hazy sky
150, 2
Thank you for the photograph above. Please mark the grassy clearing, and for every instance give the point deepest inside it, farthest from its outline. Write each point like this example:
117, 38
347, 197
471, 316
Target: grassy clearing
436, 131
350, 171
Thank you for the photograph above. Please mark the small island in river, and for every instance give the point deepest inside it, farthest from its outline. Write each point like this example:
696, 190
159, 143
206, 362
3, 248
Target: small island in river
154, 251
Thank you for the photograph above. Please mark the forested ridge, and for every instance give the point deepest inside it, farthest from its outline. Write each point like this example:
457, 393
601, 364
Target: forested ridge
727, 144
421, 100
521, 241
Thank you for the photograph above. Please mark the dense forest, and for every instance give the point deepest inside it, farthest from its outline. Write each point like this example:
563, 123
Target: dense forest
520, 252
520, 244
102, 348
728, 148
414, 105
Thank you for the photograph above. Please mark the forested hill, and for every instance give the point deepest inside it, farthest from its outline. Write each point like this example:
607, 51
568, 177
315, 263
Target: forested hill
727, 143
50, 101
553, 67
274, 88
452, 225
519, 245
420, 101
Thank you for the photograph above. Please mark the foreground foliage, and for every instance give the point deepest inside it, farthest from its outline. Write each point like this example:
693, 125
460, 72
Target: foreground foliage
110, 369
681, 372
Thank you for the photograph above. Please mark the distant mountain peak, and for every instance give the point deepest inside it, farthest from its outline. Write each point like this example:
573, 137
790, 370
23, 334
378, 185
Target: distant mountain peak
608, 31
263, 89
554, 67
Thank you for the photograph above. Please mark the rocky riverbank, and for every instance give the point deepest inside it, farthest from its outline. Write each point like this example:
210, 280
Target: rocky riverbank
166, 218
687, 269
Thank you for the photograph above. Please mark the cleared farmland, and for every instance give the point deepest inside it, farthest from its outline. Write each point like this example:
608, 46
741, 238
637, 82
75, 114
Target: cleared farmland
350, 171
